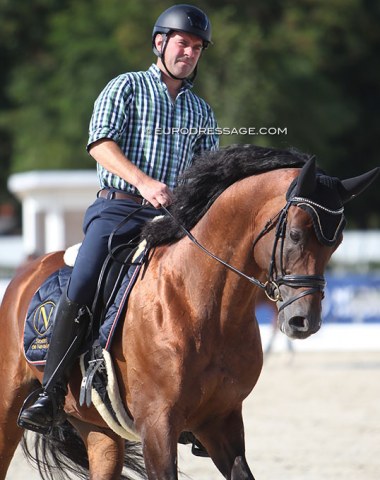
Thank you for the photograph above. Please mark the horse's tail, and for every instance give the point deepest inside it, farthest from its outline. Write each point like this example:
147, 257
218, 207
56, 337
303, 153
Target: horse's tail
63, 452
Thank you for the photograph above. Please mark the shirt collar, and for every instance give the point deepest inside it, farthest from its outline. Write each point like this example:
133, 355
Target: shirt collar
156, 74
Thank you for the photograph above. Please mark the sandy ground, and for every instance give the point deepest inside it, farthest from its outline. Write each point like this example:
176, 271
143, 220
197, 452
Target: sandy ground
311, 416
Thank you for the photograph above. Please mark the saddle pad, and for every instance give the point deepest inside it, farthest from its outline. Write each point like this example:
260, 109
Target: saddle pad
39, 319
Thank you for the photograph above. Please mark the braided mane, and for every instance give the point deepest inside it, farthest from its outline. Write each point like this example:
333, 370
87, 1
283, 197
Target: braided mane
211, 174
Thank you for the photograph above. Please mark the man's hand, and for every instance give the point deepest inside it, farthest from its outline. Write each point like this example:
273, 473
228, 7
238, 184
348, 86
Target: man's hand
109, 155
156, 193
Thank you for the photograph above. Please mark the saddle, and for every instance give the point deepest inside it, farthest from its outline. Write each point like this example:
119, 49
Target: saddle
122, 261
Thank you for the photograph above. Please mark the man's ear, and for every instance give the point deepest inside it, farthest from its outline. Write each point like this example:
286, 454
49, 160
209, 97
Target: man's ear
158, 40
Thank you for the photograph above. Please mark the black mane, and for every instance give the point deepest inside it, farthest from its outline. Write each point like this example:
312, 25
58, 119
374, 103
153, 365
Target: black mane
208, 177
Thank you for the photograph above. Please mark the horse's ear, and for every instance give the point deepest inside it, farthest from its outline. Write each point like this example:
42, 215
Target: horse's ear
307, 180
351, 187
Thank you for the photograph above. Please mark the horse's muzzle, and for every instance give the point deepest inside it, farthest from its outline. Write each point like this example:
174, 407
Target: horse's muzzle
299, 327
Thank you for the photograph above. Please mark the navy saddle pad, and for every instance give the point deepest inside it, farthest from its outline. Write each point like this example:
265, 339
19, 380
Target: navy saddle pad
39, 319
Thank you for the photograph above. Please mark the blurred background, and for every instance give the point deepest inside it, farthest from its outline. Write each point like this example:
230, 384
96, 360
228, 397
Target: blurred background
303, 72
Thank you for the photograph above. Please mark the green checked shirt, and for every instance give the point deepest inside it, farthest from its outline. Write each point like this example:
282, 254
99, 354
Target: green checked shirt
157, 134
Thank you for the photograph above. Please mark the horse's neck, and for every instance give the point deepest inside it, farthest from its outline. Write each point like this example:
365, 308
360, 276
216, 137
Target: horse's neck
227, 230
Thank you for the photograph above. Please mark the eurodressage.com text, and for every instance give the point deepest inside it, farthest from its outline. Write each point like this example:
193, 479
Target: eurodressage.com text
219, 131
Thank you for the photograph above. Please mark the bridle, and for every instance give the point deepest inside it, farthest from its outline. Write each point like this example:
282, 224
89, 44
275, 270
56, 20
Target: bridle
276, 276
313, 283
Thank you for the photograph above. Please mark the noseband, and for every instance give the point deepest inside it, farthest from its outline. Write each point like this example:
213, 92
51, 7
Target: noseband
313, 283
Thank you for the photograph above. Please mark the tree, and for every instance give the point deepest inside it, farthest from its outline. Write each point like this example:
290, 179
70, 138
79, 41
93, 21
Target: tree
307, 66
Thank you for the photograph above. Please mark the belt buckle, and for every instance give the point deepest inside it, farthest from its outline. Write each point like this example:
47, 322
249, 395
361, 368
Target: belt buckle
105, 193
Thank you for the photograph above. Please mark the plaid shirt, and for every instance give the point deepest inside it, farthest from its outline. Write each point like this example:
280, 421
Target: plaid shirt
157, 134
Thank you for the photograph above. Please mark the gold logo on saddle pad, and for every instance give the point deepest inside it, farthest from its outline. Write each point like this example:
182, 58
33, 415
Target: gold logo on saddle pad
42, 317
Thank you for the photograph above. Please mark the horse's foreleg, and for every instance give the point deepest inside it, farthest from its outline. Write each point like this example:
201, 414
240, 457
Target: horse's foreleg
160, 458
224, 441
105, 450
240, 470
159, 439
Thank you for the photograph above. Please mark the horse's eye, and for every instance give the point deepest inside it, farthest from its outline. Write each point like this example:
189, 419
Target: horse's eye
295, 236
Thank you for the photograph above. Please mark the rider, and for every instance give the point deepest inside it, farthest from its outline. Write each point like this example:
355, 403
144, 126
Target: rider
135, 137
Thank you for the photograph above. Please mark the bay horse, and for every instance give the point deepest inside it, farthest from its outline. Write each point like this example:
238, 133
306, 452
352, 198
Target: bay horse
189, 350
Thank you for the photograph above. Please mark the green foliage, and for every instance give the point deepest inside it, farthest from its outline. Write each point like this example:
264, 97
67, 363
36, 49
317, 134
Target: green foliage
307, 66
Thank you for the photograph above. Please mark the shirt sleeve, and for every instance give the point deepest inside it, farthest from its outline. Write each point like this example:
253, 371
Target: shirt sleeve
110, 114
209, 140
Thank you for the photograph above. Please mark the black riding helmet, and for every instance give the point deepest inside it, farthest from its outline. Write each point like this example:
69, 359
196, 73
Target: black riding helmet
182, 18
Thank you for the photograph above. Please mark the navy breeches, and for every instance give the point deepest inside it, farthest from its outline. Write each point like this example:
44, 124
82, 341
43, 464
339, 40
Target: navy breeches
101, 219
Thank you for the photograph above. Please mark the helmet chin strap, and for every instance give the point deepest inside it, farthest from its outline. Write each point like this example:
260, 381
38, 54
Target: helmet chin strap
162, 57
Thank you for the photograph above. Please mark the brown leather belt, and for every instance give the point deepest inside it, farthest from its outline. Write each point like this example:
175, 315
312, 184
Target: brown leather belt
112, 194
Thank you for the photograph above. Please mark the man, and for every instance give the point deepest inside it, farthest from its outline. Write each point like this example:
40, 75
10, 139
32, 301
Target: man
145, 130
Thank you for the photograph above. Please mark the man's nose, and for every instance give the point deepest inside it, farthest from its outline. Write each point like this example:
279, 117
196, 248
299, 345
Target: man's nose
190, 51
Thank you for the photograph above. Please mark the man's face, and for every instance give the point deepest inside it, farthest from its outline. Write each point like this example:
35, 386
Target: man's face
182, 53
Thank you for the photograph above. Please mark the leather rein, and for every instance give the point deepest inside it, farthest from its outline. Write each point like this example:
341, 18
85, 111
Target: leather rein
313, 283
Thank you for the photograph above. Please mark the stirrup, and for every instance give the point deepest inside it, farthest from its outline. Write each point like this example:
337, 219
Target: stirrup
58, 416
28, 402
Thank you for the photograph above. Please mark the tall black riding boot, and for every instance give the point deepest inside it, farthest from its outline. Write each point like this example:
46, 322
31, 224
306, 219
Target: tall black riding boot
71, 323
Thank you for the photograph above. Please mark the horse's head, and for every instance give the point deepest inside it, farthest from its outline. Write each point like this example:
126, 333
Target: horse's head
308, 230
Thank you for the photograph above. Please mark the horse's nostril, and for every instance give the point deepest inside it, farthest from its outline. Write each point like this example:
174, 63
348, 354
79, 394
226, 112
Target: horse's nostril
299, 323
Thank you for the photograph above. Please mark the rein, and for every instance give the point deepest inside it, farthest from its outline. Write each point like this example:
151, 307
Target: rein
252, 280
314, 283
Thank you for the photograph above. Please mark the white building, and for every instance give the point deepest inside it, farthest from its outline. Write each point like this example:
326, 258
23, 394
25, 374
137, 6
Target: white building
53, 205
